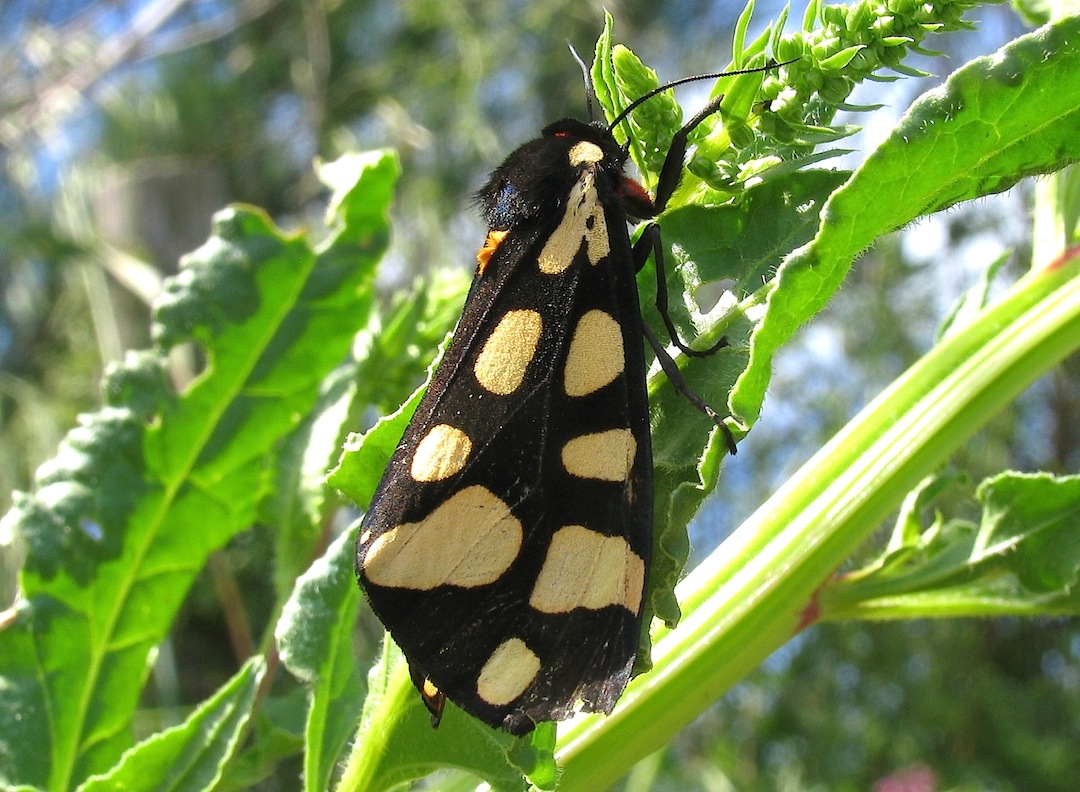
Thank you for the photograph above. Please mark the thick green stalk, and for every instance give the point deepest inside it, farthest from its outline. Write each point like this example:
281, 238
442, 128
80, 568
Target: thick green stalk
757, 589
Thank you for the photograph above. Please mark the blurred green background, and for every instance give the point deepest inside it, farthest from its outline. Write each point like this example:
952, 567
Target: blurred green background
124, 125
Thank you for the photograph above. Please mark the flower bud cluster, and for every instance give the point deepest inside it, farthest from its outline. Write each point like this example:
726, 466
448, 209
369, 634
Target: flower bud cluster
837, 47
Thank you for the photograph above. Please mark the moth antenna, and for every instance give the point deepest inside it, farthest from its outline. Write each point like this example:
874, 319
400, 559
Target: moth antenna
683, 80
590, 94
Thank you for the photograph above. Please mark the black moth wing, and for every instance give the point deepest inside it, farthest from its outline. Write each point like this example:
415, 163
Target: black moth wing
507, 546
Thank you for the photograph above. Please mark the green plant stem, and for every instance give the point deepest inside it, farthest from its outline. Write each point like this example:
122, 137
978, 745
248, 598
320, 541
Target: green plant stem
365, 765
757, 589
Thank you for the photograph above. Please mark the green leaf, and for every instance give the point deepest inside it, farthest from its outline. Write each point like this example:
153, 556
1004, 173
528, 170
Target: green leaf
705, 243
190, 756
415, 334
365, 457
602, 73
362, 187
142, 491
738, 37
619, 78
1030, 526
1023, 558
275, 734
740, 244
840, 59
1039, 12
395, 742
397, 348
390, 355
314, 637
974, 299
922, 497
996, 120
652, 125
300, 502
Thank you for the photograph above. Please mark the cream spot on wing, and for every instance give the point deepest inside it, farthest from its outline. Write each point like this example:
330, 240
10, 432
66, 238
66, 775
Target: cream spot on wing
442, 453
582, 222
584, 151
508, 672
596, 354
500, 366
470, 540
585, 569
608, 456
596, 236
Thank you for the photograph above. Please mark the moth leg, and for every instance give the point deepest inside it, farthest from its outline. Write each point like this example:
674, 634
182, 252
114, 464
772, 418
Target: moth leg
434, 699
672, 169
675, 377
650, 242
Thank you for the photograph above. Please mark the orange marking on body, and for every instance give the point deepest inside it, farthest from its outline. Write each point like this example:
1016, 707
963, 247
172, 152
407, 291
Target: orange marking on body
635, 198
631, 189
491, 244
434, 700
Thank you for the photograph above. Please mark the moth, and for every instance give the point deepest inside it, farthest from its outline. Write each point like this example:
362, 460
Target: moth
507, 546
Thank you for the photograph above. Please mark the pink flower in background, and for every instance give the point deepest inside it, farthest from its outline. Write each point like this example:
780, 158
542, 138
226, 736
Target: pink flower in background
917, 778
